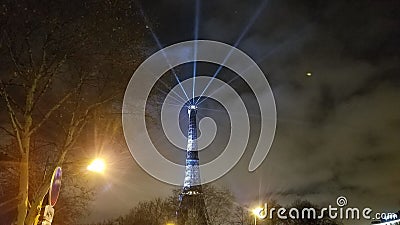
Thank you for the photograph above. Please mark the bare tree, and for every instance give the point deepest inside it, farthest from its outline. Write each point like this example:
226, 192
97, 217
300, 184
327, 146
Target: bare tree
221, 208
160, 211
61, 62
240, 216
219, 204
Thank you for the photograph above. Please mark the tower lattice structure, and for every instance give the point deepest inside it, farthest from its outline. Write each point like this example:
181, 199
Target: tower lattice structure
192, 209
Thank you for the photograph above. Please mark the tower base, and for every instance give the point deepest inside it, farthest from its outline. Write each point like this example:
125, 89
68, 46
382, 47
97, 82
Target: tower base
192, 209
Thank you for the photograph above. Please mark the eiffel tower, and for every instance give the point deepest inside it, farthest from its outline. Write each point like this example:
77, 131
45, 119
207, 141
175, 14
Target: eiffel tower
192, 209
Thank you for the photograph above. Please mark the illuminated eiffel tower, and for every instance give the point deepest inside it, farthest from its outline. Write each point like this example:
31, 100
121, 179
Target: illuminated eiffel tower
192, 209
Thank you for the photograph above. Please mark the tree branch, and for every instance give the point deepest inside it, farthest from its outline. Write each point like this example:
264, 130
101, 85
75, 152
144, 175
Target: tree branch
44, 54
55, 107
16, 104
15, 123
12, 200
12, 55
50, 112
7, 131
28, 44
49, 78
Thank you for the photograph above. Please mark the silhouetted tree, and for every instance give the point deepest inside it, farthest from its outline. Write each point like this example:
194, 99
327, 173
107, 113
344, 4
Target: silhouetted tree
221, 208
240, 216
159, 211
61, 61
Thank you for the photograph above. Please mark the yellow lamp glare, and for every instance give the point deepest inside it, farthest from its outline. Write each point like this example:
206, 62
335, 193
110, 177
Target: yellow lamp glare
257, 211
97, 166
309, 74
170, 224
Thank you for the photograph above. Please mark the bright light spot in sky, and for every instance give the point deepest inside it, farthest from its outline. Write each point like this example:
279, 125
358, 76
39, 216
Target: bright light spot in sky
309, 74
97, 166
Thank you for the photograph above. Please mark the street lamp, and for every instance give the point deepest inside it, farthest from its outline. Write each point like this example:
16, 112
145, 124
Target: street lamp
98, 165
256, 213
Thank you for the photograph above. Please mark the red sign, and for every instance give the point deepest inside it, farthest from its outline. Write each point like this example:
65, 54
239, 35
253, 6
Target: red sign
55, 186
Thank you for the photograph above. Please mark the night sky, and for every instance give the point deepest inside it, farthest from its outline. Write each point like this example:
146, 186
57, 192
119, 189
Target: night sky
337, 130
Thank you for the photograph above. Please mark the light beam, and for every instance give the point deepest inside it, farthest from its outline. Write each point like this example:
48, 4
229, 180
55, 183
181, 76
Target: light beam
157, 40
244, 32
196, 36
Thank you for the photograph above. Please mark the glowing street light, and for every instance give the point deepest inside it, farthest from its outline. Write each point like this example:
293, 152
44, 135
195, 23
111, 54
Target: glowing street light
97, 165
257, 213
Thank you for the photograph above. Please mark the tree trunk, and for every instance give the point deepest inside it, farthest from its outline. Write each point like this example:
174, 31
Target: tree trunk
36, 206
23, 189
